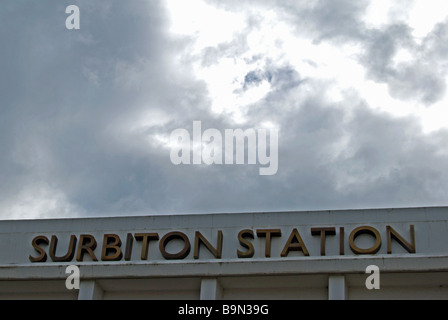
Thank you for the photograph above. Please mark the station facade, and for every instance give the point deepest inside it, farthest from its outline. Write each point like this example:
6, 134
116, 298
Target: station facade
270, 255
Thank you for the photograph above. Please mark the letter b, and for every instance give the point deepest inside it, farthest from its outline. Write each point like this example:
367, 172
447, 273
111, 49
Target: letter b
225, 309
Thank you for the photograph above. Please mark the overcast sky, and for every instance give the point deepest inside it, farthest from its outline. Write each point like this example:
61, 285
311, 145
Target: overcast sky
357, 90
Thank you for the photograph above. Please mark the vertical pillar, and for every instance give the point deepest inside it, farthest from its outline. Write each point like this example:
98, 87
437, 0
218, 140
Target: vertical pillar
210, 289
337, 288
90, 290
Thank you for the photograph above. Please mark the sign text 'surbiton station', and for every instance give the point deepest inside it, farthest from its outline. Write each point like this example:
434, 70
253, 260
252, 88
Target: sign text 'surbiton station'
111, 247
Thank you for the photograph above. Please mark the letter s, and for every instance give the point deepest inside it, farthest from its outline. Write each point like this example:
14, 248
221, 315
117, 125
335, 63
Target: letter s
36, 242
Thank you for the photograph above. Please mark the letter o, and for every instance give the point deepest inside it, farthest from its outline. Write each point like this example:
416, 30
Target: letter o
171, 236
365, 230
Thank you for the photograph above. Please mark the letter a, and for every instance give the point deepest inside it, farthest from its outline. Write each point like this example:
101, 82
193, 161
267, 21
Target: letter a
72, 21
180, 147
373, 281
72, 281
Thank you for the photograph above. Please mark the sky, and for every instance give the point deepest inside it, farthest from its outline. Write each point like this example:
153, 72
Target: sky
356, 89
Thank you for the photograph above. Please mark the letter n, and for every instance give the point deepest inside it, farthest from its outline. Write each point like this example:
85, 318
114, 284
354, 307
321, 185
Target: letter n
392, 234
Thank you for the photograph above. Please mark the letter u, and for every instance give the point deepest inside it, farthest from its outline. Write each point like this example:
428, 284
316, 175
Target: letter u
70, 251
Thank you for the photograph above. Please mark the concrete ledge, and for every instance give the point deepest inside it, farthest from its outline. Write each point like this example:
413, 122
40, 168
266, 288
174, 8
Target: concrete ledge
229, 267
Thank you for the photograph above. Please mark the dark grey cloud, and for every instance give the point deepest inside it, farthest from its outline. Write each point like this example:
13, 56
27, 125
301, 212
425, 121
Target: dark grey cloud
64, 90
422, 79
81, 110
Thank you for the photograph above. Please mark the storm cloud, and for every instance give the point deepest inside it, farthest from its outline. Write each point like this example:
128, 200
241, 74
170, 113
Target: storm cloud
85, 115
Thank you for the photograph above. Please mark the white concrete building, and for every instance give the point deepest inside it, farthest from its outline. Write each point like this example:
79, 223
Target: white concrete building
275, 255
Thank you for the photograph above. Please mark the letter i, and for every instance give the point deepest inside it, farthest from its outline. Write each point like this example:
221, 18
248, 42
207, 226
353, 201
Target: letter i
128, 249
